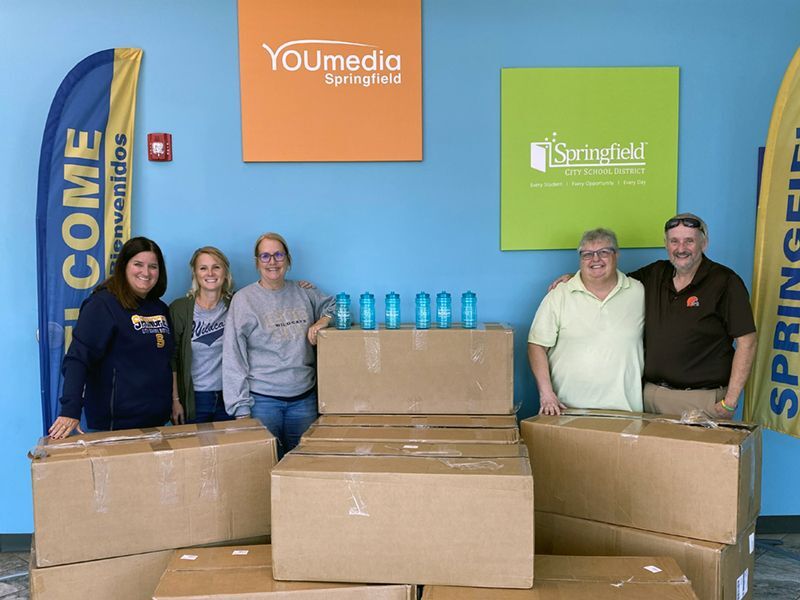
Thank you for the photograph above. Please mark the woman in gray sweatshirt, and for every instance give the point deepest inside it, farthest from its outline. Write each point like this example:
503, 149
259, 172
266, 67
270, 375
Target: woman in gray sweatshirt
268, 356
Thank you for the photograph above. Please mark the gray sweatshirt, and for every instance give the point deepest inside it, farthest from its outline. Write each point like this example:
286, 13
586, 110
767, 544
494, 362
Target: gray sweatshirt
265, 347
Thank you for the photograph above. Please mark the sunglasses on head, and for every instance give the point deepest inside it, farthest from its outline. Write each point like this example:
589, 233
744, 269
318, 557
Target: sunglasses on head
687, 221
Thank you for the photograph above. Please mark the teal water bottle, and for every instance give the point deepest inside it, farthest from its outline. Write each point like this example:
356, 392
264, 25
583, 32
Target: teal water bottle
469, 310
392, 310
367, 311
444, 310
342, 314
422, 314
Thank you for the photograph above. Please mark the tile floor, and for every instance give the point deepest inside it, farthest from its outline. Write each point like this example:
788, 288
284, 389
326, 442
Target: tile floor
14, 576
777, 573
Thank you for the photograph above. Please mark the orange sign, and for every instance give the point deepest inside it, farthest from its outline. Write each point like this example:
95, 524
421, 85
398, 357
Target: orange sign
330, 80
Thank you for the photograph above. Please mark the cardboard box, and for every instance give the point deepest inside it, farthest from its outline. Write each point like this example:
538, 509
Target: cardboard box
458, 518
647, 472
717, 571
587, 578
246, 572
132, 577
407, 370
122, 578
452, 435
421, 421
117, 493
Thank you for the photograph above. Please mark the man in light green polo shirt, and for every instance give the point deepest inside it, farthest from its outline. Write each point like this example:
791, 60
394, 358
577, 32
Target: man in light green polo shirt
585, 342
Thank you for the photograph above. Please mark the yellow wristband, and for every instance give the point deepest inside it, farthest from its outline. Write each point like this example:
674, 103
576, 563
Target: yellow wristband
726, 407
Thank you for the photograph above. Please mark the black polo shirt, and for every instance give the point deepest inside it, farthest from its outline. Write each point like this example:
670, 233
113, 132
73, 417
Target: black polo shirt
688, 335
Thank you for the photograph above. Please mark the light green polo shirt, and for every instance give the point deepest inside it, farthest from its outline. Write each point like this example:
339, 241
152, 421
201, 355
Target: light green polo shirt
595, 346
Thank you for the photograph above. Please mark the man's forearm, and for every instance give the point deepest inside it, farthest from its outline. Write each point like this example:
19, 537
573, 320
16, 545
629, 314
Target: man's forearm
740, 369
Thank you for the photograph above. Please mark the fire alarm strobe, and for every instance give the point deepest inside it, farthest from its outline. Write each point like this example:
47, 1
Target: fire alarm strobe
159, 146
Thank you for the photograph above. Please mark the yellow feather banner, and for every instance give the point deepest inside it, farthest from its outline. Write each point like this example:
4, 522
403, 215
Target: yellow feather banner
771, 397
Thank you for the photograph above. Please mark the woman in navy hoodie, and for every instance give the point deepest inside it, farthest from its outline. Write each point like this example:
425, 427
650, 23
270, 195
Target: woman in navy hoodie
117, 369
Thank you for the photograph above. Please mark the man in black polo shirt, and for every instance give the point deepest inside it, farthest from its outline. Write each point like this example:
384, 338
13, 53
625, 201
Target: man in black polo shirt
695, 309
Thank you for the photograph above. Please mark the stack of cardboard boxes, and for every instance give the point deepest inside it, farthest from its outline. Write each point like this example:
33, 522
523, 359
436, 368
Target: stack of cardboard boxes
109, 508
415, 471
414, 474
629, 484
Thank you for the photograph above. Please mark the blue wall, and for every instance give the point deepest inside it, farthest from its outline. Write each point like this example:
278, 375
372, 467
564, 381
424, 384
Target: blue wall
404, 226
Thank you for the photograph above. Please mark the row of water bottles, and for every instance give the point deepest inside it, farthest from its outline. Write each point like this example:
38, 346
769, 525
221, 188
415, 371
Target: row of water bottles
422, 305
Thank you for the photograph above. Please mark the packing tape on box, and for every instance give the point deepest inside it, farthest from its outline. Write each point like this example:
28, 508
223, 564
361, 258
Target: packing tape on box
415, 404
629, 439
697, 417
364, 449
167, 477
358, 506
46, 447
749, 446
209, 473
471, 465
372, 352
631, 433
476, 395
100, 483
419, 340
691, 418
362, 405
477, 345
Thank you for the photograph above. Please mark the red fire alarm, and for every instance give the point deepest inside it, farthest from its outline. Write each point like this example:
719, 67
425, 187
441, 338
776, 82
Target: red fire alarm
159, 146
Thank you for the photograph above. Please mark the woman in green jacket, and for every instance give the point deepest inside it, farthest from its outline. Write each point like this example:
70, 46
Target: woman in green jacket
198, 321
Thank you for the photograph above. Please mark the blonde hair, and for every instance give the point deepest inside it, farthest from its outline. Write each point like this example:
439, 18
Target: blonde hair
227, 283
276, 237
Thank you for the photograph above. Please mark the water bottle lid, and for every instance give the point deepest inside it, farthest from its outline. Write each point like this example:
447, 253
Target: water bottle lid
342, 296
366, 295
423, 295
443, 294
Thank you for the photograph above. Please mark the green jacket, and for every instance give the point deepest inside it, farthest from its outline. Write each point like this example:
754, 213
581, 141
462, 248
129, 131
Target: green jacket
181, 312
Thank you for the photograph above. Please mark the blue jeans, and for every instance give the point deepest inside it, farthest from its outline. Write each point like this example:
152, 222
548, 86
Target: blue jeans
208, 407
287, 420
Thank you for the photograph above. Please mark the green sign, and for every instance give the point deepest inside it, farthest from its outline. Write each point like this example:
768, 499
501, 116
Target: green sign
585, 148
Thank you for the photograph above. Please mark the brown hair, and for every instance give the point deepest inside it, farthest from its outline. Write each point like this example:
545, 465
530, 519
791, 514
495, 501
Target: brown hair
117, 283
227, 284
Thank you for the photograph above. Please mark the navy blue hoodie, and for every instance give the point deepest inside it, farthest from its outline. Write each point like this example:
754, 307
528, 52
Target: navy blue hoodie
122, 357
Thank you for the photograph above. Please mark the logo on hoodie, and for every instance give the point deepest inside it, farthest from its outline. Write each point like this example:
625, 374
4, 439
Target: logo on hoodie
150, 324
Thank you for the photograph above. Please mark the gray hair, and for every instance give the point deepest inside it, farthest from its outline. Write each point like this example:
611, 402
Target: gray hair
703, 229
600, 233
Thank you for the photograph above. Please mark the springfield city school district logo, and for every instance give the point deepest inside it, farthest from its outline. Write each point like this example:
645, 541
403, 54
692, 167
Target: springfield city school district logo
625, 159
341, 62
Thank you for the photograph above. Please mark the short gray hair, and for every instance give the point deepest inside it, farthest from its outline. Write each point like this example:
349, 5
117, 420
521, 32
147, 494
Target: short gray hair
600, 233
703, 229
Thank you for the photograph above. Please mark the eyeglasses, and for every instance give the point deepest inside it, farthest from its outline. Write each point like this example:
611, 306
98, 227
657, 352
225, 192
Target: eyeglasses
278, 256
687, 221
602, 253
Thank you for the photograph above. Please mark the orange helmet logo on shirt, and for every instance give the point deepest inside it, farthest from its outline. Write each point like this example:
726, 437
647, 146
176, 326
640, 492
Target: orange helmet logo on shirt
693, 301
